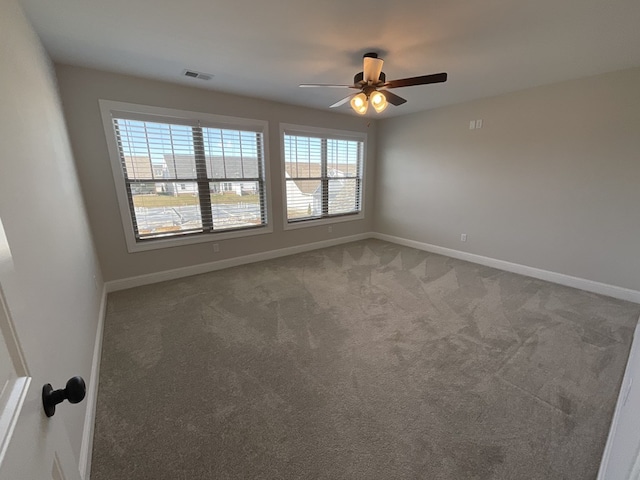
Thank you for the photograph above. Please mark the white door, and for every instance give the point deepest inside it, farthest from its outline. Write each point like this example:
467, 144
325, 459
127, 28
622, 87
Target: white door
32, 446
621, 459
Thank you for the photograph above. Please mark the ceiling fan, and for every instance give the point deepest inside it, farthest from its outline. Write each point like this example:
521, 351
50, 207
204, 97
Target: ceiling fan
374, 87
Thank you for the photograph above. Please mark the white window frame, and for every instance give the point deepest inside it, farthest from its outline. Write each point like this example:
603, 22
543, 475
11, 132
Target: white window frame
159, 114
328, 133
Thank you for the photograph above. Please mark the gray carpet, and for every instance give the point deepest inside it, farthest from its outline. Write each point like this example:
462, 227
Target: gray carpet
363, 361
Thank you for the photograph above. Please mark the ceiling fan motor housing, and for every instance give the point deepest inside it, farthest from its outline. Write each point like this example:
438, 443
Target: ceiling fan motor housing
359, 78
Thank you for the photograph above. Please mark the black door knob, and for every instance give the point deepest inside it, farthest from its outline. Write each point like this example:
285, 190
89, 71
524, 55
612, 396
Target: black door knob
74, 391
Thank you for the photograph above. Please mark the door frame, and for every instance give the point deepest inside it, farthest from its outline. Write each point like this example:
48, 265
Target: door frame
14, 392
631, 370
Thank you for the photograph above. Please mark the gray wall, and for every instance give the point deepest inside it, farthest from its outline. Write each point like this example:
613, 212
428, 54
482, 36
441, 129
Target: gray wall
80, 90
47, 260
550, 181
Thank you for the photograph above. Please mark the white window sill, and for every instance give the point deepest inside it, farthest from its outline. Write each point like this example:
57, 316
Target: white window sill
322, 221
146, 245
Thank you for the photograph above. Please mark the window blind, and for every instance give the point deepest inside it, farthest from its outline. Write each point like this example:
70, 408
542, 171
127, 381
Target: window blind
323, 176
184, 179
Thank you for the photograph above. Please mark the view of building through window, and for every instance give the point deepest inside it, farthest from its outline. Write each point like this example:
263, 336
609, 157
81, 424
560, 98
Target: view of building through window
323, 177
183, 179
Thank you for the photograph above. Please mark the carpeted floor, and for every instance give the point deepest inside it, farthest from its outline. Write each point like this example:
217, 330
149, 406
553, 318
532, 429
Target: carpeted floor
362, 361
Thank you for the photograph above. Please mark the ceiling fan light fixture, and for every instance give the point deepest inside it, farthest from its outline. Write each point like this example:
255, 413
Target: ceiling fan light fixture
370, 79
360, 104
379, 101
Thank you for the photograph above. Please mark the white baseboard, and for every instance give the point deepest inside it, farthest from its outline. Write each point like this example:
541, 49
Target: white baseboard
86, 448
554, 277
148, 279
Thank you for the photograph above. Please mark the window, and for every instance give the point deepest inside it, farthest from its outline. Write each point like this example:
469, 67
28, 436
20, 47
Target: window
183, 176
323, 174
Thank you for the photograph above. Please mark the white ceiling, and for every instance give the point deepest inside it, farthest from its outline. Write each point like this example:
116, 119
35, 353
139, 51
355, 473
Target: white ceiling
266, 48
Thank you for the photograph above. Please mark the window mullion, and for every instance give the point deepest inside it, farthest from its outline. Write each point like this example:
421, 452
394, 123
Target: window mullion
204, 188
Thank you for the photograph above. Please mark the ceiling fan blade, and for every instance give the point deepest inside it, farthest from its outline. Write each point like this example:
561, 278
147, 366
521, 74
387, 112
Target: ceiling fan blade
330, 85
343, 101
423, 80
392, 98
372, 68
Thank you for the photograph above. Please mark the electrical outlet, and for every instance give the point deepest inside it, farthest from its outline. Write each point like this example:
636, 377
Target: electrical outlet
216, 248
479, 123
472, 125
463, 237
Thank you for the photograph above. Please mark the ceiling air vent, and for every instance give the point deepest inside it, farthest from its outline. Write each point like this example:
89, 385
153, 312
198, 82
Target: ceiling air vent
198, 75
